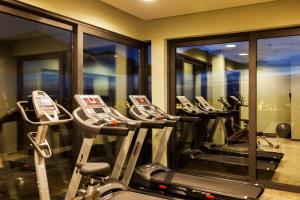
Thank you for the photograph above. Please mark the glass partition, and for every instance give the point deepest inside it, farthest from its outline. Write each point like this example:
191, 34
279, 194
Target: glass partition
215, 79
111, 70
33, 56
278, 81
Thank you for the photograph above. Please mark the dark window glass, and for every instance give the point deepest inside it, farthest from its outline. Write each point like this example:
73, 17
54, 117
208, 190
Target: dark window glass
110, 70
278, 110
213, 72
33, 56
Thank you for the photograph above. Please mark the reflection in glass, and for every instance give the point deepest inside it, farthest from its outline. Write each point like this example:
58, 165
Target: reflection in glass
33, 56
111, 71
278, 80
214, 72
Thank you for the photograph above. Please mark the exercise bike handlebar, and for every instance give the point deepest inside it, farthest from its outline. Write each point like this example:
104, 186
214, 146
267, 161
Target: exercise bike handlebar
44, 123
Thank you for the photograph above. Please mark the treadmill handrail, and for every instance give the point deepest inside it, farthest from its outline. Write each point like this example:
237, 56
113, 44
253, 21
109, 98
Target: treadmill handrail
104, 129
44, 123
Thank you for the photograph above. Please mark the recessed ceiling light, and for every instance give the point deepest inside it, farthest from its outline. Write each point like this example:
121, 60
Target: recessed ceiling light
243, 54
148, 0
230, 46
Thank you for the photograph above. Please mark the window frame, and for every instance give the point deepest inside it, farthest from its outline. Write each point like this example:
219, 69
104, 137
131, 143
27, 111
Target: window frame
252, 38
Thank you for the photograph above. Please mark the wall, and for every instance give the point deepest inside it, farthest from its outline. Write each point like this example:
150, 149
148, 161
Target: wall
188, 81
295, 91
273, 98
94, 12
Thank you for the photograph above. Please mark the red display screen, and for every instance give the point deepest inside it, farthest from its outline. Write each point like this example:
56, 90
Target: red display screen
141, 100
92, 101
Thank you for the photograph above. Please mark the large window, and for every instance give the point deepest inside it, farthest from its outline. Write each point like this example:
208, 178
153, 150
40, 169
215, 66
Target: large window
259, 81
110, 70
39, 56
33, 56
278, 95
213, 72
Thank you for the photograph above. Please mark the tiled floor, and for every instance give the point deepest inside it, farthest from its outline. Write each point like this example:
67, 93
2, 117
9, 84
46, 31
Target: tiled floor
288, 170
279, 195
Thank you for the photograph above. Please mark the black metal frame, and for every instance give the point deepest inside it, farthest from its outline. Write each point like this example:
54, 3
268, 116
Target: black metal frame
78, 29
252, 37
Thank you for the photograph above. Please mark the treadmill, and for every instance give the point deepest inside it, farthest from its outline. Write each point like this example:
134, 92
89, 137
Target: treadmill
94, 117
157, 177
208, 159
233, 149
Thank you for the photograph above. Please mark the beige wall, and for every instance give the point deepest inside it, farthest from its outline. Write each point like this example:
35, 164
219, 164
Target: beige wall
272, 98
188, 81
295, 105
281, 13
93, 12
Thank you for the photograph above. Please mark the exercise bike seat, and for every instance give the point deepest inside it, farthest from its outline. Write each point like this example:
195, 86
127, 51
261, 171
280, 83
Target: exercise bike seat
94, 168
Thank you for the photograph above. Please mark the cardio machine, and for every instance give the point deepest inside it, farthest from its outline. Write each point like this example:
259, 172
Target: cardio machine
47, 113
240, 148
94, 117
239, 102
157, 177
211, 155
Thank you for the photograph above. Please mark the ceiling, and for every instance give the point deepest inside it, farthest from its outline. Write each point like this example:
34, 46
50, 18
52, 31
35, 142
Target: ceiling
155, 9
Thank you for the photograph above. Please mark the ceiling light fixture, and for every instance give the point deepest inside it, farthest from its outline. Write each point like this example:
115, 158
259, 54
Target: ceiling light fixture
230, 46
243, 54
149, 0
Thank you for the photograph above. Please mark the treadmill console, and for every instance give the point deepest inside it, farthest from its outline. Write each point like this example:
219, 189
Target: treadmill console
236, 99
147, 109
204, 104
187, 105
43, 104
94, 108
224, 101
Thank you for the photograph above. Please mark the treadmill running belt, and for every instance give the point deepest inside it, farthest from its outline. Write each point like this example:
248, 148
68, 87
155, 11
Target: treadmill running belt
214, 185
121, 195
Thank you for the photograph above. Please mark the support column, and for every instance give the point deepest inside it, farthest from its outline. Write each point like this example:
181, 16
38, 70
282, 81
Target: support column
121, 78
159, 85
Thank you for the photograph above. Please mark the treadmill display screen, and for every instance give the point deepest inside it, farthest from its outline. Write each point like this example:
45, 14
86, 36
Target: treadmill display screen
92, 101
45, 103
183, 99
141, 100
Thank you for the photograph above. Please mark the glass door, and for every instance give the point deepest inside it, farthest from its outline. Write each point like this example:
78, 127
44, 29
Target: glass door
219, 75
278, 108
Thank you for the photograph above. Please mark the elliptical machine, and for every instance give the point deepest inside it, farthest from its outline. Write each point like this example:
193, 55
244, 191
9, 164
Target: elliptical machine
48, 113
235, 132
